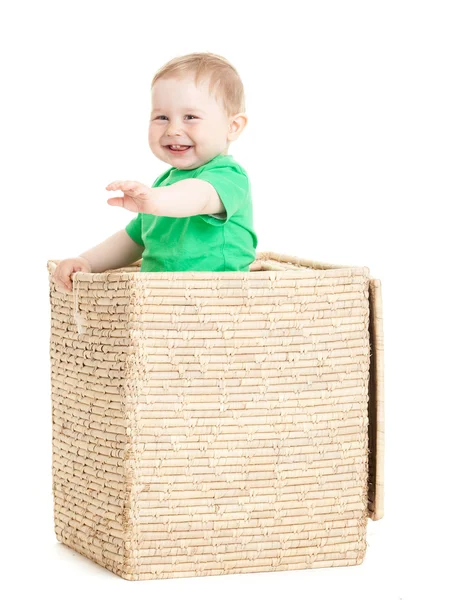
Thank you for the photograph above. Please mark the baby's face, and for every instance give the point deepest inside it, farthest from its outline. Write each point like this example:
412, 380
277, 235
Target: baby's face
184, 114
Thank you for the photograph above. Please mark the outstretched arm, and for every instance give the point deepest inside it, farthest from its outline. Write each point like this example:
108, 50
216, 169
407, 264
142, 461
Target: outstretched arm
182, 199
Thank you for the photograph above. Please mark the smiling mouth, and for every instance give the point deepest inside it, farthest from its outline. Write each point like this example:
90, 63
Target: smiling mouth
179, 150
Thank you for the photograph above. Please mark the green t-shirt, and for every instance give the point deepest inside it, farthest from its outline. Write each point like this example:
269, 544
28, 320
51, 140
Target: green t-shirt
201, 242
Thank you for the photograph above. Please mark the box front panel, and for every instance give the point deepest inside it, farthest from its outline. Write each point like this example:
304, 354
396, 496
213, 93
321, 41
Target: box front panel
250, 439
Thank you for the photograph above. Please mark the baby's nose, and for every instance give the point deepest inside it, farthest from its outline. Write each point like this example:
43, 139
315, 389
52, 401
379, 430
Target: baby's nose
173, 131
173, 128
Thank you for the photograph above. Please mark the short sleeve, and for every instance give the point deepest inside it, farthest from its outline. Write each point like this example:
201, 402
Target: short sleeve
232, 187
134, 229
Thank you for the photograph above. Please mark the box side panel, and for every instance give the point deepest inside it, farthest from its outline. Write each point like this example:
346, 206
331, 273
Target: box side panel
250, 451
376, 404
89, 353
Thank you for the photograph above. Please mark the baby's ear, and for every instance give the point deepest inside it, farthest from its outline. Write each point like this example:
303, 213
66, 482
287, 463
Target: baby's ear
238, 124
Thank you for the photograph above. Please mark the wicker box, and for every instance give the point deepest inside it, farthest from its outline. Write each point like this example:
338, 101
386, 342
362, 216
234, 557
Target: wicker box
207, 423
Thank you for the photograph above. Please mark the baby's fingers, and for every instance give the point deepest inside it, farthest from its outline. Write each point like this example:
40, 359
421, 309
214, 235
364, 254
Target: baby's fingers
122, 185
62, 281
134, 188
62, 286
114, 185
63, 290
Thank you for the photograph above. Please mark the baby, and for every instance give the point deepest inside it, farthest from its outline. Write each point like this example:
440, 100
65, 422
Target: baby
197, 216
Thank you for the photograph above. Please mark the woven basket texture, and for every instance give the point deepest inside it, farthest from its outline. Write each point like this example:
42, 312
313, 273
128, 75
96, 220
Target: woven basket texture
208, 423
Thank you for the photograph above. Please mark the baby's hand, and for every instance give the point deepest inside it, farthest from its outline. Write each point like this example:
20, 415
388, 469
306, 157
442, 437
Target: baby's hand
65, 268
137, 196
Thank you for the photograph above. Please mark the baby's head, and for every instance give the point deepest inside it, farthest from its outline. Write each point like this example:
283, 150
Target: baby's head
197, 100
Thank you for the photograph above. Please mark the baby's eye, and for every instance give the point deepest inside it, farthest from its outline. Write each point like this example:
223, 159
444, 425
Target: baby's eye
163, 116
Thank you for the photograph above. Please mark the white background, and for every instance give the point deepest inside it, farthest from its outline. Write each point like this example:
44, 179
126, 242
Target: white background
351, 147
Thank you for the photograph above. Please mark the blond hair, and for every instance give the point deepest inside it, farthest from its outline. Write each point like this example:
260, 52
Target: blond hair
224, 81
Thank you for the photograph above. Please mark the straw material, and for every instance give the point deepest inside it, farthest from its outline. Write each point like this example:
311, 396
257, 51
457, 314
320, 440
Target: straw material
207, 423
376, 403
